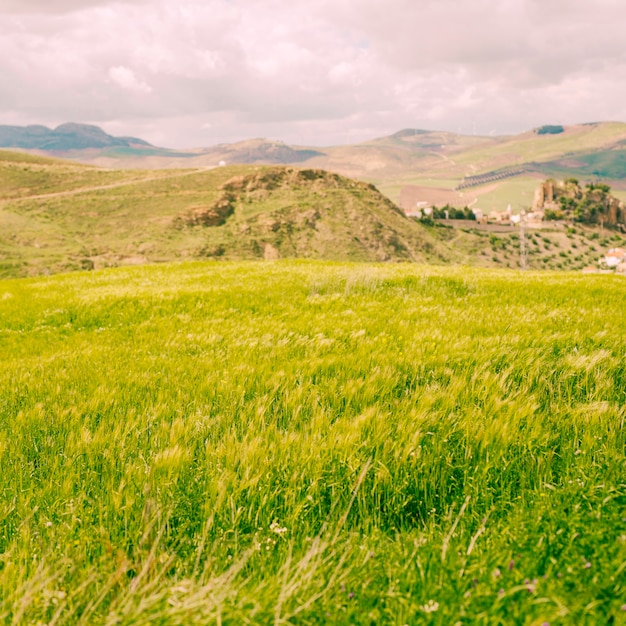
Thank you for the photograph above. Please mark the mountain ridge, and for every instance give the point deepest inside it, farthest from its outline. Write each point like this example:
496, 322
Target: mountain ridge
68, 136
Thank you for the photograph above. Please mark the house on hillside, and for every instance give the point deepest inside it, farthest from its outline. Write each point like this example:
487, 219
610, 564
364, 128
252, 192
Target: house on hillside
615, 256
419, 210
614, 259
502, 217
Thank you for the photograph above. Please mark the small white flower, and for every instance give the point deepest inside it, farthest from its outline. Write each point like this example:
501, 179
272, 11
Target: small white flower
430, 607
275, 527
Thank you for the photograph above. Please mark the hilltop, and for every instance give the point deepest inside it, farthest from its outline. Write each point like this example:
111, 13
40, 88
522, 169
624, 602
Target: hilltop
57, 216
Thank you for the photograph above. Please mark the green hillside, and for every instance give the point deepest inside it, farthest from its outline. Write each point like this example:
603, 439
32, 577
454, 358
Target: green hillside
61, 216
586, 151
56, 216
312, 443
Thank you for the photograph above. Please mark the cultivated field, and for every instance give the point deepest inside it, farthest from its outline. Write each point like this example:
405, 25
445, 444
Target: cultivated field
312, 443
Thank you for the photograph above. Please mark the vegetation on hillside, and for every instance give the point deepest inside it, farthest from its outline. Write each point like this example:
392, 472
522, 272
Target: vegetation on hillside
560, 248
591, 204
453, 213
550, 129
312, 443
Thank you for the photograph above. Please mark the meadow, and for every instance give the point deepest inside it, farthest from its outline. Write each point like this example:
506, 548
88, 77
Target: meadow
303, 442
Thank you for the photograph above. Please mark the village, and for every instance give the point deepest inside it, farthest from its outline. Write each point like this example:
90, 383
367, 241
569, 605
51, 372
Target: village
553, 209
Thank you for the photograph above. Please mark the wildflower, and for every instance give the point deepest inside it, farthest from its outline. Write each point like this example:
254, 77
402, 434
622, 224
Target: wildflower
430, 607
275, 527
587, 565
511, 564
496, 573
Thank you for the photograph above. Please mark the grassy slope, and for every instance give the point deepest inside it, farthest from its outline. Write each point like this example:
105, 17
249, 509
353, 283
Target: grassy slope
443, 159
59, 216
24, 175
312, 443
551, 248
102, 217
530, 147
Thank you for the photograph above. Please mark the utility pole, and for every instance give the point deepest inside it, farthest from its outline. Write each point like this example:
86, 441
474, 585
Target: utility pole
523, 254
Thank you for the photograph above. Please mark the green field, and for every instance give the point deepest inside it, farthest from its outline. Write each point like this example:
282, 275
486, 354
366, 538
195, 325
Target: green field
312, 443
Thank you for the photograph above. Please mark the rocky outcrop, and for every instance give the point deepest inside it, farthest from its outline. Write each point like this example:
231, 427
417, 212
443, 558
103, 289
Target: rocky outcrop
591, 204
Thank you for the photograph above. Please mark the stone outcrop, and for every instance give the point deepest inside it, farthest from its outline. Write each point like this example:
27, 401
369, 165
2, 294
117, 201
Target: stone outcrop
591, 204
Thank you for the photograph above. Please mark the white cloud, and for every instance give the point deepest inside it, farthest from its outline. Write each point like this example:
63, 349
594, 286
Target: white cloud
54, 6
126, 79
310, 70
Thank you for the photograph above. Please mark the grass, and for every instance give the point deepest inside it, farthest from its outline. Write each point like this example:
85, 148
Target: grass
311, 443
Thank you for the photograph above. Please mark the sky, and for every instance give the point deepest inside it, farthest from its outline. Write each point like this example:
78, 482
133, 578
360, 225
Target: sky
195, 73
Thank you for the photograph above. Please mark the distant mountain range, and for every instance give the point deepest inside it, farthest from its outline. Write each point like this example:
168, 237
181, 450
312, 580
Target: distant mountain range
64, 137
73, 139
410, 167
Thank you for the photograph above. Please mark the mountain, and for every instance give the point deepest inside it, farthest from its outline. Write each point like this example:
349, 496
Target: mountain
82, 142
63, 138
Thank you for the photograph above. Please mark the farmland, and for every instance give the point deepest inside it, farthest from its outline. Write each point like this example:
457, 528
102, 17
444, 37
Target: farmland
305, 442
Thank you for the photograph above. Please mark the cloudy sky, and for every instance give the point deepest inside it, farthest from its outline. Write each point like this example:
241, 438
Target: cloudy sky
191, 73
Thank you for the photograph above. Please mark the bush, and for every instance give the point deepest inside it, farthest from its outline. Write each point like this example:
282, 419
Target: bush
552, 214
550, 129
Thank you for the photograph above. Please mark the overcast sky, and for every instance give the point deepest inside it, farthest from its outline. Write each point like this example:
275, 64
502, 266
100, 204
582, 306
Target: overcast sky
191, 73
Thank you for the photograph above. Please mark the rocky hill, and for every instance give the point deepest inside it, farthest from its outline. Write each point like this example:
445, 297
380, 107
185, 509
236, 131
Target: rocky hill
592, 203
58, 216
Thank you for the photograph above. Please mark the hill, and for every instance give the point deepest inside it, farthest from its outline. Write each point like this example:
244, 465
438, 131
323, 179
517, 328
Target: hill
506, 170
592, 204
58, 216
64, 137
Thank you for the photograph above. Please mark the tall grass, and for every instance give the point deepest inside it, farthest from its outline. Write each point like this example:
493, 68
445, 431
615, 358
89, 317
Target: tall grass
304, 443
